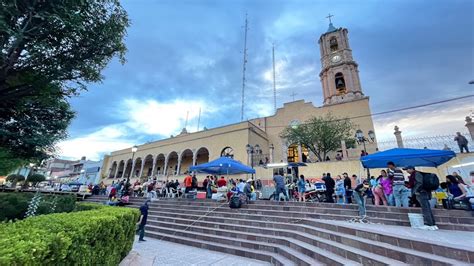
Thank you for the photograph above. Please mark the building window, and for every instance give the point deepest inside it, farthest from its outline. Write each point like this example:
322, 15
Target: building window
340, 83
333, 44
293, 154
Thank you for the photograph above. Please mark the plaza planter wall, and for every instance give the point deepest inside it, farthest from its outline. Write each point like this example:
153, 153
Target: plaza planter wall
99, 236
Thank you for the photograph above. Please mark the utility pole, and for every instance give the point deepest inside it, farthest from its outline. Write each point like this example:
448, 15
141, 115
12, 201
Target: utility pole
274, 82
244, 68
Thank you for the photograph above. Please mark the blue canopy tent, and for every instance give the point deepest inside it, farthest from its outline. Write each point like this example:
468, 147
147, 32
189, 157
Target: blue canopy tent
223, 165
404, 157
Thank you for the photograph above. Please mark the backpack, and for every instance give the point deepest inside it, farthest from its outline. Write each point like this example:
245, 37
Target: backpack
234, 202
430, 181
194, 182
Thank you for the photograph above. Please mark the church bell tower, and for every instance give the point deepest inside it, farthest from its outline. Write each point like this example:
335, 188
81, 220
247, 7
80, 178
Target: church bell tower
339, 74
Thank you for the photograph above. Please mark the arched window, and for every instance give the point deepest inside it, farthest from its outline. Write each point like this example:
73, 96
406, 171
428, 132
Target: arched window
333, 44
227, 152
340, 83
293, 154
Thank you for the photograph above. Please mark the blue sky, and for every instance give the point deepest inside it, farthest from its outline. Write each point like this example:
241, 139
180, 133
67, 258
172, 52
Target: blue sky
187, 55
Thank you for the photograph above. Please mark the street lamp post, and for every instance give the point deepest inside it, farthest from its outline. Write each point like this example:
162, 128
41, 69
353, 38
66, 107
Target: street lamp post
251, 150
362, 139
134, 150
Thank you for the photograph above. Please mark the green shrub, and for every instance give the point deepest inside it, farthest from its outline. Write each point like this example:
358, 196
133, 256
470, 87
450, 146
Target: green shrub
14, 205
86, 206
36, 178
101, 236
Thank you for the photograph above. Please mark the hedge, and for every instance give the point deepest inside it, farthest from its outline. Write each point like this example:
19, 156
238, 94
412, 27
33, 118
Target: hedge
13, 205
102, 235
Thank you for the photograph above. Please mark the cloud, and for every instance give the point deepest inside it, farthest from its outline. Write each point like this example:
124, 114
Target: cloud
143, 120
436, 120
96, 144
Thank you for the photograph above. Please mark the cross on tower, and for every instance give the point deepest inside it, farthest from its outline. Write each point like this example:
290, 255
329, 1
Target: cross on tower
293, 95
329, 17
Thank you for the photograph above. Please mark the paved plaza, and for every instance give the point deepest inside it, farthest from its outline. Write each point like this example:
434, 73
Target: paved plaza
156, 252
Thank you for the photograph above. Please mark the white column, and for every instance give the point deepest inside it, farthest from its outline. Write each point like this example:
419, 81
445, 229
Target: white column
165, 167
300, 154
271, 155
154, 166
194, 157
116, 171
178, 169
133, 168
141, 169
344, 150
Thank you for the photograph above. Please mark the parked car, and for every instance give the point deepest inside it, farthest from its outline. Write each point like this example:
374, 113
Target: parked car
65, 188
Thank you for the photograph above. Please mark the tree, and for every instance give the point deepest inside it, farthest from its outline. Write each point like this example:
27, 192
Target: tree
36, 178
66, 42
31, 128
321, 135
15, 178
49, 51
8, 162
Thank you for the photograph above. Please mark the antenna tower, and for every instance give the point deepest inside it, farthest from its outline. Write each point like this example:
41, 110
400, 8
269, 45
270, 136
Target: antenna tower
274, 83
199, 119
244, 68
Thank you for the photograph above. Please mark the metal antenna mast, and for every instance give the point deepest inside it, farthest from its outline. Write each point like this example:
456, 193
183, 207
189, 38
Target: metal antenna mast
186, 123
244, 68
199, 119
274, 82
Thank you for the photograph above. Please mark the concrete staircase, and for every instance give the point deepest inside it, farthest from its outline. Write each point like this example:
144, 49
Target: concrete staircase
292, 233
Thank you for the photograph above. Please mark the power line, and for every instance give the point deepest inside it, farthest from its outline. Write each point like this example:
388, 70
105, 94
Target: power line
397, 110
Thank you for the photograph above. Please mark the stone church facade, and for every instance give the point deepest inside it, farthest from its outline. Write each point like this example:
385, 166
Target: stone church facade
343, 97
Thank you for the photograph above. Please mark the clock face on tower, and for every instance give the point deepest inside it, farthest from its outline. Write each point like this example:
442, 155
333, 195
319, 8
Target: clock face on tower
336, 58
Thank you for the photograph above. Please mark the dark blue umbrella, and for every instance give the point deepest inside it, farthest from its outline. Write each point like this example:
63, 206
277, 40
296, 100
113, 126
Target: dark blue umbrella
223, 165
405, 157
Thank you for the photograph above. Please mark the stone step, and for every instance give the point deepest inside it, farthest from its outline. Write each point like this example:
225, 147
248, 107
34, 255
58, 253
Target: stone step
261, 255
223, 208
407, 255
290, 253
448, 223
389, 209
302, 242
320, 210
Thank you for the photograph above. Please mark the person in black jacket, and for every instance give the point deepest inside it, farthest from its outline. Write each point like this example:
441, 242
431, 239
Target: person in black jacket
330, 184
348, 188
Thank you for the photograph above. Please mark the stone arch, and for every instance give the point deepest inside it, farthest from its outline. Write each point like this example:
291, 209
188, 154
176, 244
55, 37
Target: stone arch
340, 83
128, 168
202, 156
293, 154
120, 169
160, 164
147, 166
137, 167
112, 169
186, 160
172, 165
333, 44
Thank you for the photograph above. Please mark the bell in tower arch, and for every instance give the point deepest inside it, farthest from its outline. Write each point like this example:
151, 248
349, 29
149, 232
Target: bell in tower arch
340, 83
